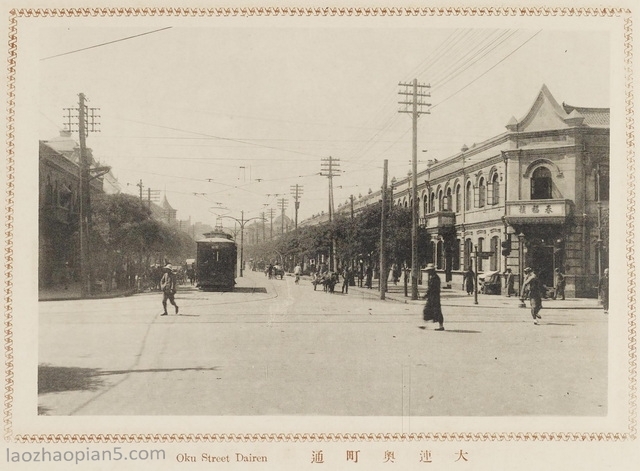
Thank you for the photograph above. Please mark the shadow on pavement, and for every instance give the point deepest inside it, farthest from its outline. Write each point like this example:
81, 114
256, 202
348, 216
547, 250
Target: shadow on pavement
245, 289
52, 379
457, 331
61, 378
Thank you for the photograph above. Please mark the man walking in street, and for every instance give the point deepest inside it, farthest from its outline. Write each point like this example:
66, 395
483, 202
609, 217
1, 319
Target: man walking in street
508, 281
346, 279
532, 288
433, 310
297, 271
169, 288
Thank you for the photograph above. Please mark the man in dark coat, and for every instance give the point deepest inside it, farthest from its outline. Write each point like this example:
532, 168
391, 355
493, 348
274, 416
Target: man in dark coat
433, 310
469, 281
168, 285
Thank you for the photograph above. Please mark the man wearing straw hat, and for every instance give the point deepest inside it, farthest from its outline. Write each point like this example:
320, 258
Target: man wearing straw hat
433, 310
168, 287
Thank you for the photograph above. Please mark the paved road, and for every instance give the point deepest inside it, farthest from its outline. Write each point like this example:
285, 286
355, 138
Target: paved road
276, 348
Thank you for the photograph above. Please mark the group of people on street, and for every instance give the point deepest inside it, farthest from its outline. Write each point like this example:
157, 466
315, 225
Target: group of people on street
532, 289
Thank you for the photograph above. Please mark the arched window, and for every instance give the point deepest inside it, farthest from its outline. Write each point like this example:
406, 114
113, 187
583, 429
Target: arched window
406, 204
440, 201
448, 205
541, 184
495, 258
467, 197
482, 193
432, 202
458, 198
425, 204
495, 189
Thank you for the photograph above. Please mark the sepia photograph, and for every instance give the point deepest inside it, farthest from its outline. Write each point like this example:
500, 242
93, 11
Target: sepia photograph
285, 238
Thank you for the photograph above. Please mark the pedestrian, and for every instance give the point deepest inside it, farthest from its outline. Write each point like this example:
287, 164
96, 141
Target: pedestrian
508, 281
603, 287
560, 283
369, 276
297, 271
468, 281
346, 279
532, 288
168, 287
432, 309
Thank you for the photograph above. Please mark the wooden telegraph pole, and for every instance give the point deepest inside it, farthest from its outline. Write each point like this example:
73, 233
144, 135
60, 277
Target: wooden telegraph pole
413, 94
383, 229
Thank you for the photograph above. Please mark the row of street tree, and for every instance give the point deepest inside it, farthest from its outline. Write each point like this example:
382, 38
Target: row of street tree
127, 241
355, 238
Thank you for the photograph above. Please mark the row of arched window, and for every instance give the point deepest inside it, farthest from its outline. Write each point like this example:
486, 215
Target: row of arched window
486, 193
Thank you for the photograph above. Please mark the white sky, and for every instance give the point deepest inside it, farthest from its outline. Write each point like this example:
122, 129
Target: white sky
186, 105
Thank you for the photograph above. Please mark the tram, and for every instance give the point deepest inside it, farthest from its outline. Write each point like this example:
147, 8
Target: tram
216, 262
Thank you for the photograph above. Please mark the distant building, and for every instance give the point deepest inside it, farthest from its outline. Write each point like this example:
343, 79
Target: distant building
58, 221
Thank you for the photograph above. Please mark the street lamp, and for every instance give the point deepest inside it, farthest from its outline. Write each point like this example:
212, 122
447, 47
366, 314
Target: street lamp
242, 221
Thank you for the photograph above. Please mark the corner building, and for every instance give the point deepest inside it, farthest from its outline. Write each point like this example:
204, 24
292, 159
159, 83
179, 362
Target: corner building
536, 195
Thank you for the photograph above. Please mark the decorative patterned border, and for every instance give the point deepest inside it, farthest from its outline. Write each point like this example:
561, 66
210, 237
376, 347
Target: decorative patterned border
630, 434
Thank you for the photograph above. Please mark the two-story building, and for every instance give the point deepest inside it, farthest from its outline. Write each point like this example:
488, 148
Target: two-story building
536, 195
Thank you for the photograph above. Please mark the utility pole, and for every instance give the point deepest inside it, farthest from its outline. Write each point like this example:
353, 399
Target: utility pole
86, 124
282, 202
296, 192
383, 229
413, 95
329, 169
271, 213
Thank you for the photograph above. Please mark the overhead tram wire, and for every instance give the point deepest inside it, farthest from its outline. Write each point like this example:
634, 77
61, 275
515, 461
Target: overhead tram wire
444, 49
212, 136
106, 43
488, 70
447, 81
478, 57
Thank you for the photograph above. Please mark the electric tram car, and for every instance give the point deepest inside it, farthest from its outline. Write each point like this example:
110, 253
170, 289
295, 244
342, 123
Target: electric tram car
216, 262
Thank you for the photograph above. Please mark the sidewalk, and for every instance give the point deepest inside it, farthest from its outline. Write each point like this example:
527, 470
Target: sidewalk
458, 297
59, 293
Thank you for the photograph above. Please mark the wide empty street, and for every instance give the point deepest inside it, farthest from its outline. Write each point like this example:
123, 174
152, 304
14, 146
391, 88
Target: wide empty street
276, 348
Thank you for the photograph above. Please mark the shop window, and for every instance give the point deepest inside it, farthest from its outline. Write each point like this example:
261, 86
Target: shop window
541, 184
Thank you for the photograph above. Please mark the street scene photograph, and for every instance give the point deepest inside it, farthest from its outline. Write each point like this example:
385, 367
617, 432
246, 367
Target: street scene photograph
301, 220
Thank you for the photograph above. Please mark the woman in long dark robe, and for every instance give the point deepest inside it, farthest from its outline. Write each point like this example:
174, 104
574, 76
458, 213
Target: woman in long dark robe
433, 310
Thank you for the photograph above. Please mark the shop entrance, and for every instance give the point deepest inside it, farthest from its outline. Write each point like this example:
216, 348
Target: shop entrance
541, 259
